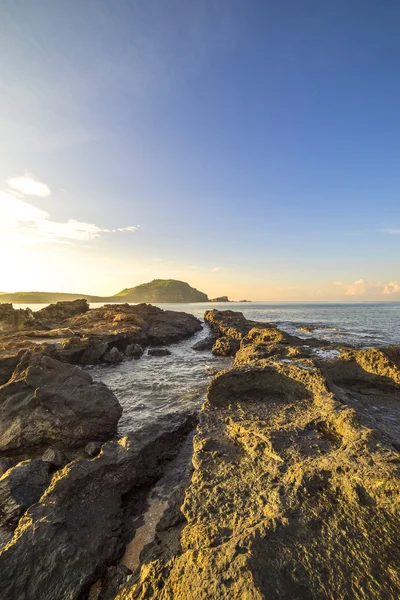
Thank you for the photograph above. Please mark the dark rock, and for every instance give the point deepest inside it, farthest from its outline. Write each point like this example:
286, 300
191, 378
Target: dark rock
226, 346
113, 356
158, 352
134, 350
65, 542
21, 487
5, 464
54, 457
116, 577
47, 402
93, 448
205, 344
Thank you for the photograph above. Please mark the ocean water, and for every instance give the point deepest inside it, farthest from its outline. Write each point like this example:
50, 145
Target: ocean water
154, 386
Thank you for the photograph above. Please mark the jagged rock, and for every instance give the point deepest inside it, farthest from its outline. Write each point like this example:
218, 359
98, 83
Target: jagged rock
226, 346
84, 339
54, 457
158, 352
47, 402
12, 319
93, 448
295, 491
65, 542
54, 314
20, 487
113, 356
134, 350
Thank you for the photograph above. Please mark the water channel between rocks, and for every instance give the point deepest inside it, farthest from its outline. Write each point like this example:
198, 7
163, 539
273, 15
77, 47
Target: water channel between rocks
148, 389
153, 386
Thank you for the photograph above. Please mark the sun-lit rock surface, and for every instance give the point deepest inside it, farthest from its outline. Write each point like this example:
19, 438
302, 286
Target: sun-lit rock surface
295, 491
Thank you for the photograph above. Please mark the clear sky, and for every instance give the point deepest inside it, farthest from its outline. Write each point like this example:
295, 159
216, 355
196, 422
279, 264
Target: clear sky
251, 148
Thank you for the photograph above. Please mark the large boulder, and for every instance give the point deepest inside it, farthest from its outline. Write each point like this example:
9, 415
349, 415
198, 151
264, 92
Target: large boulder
47, 402
66, 541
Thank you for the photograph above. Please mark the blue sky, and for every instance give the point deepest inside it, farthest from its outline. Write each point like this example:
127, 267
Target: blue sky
250, 148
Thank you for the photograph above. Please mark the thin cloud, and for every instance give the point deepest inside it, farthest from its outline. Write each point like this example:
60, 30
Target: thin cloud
392, 231
27, 223
28, 186
215, 269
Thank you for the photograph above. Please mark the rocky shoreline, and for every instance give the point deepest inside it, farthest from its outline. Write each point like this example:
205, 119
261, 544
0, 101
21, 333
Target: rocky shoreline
295, 485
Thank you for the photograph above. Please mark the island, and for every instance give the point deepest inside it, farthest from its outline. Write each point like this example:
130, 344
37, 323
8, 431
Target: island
158, 290
161, 290
220, 299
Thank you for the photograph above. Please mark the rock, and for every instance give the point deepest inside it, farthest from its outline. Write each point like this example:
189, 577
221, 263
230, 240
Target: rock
158, 352
113, 356
67, 541
5, 464
47, 402
21, 487
54, 314
134, 350
220, 299
12, 319
115, 578
226, 346
85, 338
205, 344
93, 448
296, 485
54, 457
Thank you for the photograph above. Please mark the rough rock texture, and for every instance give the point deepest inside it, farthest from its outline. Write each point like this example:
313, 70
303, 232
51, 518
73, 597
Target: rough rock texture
88, 337
20, 487
226, 346
55, 314
66, 541
48, 402
296, 490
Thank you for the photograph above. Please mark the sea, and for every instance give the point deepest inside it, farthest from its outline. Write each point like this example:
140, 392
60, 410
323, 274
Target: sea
155, 386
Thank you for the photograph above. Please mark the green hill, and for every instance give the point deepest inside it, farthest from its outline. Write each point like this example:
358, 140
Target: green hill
44, 297
162, 290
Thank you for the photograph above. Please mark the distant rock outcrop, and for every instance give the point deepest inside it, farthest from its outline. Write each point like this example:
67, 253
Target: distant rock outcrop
162, 290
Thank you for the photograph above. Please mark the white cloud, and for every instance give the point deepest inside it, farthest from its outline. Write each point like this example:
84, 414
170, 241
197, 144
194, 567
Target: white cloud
393, 287
361, 287
392, 231
24, 222
28, 186
215, 269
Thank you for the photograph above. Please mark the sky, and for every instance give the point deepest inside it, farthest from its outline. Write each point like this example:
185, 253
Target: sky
250, 148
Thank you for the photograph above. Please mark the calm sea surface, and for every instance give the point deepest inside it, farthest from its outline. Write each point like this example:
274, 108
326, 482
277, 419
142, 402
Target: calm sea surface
154, 386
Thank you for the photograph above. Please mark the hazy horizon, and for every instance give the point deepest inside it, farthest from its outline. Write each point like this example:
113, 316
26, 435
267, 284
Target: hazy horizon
250, 149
